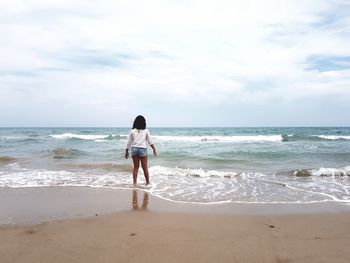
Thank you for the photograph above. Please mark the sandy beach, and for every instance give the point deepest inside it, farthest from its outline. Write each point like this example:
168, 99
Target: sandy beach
175, 131
144, 231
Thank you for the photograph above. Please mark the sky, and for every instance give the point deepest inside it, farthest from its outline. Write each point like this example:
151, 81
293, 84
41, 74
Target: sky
179, 63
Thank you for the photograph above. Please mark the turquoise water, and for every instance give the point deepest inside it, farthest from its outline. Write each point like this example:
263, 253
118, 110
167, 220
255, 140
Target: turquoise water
200, 165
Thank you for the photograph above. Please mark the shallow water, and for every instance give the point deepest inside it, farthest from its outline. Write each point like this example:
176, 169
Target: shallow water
199, 165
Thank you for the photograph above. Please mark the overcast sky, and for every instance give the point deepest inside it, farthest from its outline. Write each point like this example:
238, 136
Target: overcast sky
178, 63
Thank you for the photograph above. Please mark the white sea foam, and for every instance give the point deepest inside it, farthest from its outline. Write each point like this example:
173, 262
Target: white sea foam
22, 177
235, 138
345, 171
161, 170
193, 185
95, 137
79, 136
334, 137
16, 137
238, 138
209, 138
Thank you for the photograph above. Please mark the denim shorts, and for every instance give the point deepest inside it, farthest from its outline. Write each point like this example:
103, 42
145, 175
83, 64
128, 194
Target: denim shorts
138, 151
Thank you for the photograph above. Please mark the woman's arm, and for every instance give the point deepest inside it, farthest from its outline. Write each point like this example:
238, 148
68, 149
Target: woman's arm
148, 138
130, 139
154, 150
126, 153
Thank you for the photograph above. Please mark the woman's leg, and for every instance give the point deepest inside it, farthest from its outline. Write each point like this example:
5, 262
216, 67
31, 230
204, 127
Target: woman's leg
136, 160
145, 168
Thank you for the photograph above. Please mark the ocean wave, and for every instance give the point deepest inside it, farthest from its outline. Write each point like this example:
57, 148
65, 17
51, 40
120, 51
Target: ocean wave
95, 137
190, 185
4, 160
20, 138
334, 137
206, 186
161, 170
66, 153
238, 138
306, 137
11, 137
234, 138
252, 138
20, 177
200, 139
345, 171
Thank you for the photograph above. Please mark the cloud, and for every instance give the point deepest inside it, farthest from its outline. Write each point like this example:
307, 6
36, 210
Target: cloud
328, 63
113, 55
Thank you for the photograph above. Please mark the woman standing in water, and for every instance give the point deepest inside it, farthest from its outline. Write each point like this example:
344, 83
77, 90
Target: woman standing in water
138, 138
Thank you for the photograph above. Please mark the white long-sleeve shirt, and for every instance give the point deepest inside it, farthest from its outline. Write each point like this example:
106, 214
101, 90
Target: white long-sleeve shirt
139, 138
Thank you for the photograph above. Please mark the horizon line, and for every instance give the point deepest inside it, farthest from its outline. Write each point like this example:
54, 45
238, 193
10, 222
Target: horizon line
14, 127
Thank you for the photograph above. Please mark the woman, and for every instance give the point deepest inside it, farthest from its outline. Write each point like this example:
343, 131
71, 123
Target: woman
138, 138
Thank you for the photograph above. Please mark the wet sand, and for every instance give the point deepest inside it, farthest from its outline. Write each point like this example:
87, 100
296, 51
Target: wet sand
149, 230
43, 204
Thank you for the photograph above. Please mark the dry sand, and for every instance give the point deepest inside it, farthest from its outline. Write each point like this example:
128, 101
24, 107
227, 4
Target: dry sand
144, 236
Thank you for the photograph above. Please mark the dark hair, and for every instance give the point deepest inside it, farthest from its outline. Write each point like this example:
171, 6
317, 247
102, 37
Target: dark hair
139, 123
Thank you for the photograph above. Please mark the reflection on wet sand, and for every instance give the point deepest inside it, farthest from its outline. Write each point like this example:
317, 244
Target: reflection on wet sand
135, 204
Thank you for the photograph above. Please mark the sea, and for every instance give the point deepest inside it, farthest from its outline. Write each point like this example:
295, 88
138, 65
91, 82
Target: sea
194, 165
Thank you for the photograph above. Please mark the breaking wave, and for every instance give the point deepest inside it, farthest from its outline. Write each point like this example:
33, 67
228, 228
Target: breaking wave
194, 185
209, 138
235, 138
345, 171
95, 137
304, 137
4, 160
